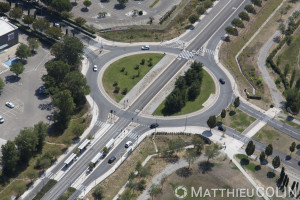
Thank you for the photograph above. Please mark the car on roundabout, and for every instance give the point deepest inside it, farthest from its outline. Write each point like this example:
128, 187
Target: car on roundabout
145, 47
95, 68
222, 81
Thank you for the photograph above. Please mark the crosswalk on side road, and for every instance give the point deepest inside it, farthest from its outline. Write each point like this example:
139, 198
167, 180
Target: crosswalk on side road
99, 123
133, 135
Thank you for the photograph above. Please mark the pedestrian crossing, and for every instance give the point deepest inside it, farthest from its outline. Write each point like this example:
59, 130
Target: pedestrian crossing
176, 44
133, 135
186, 55
99, 123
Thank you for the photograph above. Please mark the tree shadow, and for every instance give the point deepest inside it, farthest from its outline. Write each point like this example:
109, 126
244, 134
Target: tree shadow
74, 4
172, 158
257, 168
12, 79
119, 6
270, 174
204, 167
232, 112
298, 146
184, 172
244, 161
207, 133
54, 131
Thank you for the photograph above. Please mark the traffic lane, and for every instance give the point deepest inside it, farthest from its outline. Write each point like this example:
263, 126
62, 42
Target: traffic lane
83, 161
215, 24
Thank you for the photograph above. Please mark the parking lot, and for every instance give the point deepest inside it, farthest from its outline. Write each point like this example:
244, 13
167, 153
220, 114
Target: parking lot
117, 16
29, 106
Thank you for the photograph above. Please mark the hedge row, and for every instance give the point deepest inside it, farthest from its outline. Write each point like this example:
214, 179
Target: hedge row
167, 14
45, 189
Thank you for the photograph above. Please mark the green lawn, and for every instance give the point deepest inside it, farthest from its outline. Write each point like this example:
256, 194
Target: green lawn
67, 194
291, 123
237, 119
129, 77
192, 106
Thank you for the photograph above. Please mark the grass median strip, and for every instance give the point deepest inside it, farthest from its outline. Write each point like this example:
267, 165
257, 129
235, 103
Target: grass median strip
121, 76
207, 88
154, 3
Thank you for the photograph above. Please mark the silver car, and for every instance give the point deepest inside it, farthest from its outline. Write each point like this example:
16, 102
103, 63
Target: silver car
10, 104
1, 119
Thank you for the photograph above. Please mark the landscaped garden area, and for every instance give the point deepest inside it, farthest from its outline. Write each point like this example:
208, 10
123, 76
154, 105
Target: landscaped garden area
206, 89
121, 76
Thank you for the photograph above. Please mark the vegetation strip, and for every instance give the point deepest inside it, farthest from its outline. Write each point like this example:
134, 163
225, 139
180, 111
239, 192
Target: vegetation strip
154, 3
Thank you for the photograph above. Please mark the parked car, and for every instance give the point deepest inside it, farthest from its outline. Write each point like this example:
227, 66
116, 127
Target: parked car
154, 125
42, 89
95, 68
222, 81
128, 144
10, 104
1, 119
145, 47
57, 24
112, 159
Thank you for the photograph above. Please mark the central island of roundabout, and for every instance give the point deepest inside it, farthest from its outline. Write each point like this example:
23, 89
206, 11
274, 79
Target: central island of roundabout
191, 91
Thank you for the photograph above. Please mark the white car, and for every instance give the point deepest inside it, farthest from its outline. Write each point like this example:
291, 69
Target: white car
95, 68
128, 144
146, 47
1, 119
10, 104
57, 24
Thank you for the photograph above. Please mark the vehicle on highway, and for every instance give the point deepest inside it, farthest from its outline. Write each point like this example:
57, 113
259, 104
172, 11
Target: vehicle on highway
145, 47
10, 104
154, 125
112, 159
1, 119
89, 170
42, 89
128, 144
95, 68
222, 81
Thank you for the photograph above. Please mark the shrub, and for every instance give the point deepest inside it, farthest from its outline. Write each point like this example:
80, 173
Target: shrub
115, 83
193, 18
137, 67
142, 61
250, 9
140, 12
125, 90
122, 70
244, 16
200, 10
117, 89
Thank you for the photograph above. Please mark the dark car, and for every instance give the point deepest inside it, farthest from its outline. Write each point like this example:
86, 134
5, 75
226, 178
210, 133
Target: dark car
155, 125
112, 159
42, 89
222, 81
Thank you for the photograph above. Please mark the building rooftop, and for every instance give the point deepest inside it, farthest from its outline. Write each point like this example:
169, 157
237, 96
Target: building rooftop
6, 26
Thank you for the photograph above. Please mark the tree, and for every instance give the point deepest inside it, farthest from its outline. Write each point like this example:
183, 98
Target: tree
81, 21
201, 10
41, 24
127, 195
250, 148
87, 3
32, 174
223, 114
17, 68
163, 180
64, 101
292, 78
76, 83
230, 30
262, 157
26, 142
207, 3
193, 18
61, 5
269, 150
153, 191
10, 158
212, 151
276, 162
212, 122
250, 9
70, 50
54, 32
43, 163
98, 193
281, 176
292, 147
138, 166
237, 23
286, 69
16, 13
34, 44
256, 2
19, 188
180, 83
4, 7
293, 99
194, 91
105, 150
66, 14
28, 19
122, 2
281, 28
78, 129
23, 51
190, 156
244, 16
40, 130
198, 143
236, 102
2, 84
